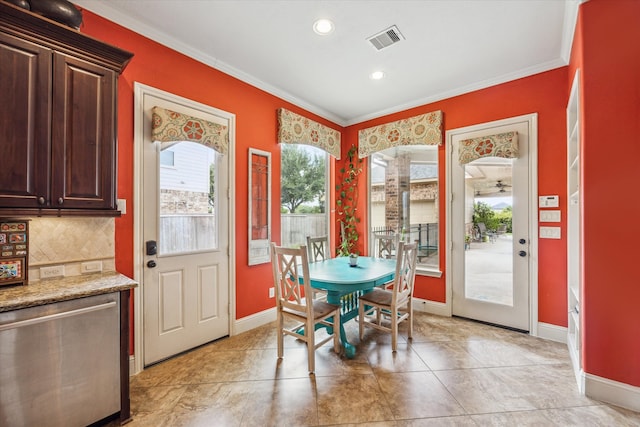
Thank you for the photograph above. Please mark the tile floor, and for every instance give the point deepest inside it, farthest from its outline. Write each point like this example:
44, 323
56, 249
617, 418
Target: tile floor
453, 373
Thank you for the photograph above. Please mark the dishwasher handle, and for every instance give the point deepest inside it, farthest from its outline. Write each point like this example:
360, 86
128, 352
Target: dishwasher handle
55, 316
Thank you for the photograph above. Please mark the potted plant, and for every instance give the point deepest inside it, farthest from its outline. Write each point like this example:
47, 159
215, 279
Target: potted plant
353, 259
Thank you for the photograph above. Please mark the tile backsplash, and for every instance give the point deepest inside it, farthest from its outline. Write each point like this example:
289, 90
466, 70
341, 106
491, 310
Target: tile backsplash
69, 241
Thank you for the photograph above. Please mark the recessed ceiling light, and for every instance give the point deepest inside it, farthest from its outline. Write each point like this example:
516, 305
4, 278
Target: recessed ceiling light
323, 27
376, 75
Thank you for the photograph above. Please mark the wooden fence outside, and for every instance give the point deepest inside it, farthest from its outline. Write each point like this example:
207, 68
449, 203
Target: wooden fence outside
296, 228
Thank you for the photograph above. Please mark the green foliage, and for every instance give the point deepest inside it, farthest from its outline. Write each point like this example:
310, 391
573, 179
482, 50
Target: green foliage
482, 212
505, 216
303, 178
306, 209
347, 202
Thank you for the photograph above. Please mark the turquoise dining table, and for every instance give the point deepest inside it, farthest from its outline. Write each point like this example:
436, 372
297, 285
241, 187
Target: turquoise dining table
344, 285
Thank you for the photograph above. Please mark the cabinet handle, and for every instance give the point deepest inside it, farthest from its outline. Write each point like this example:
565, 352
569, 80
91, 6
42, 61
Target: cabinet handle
41, 200
60, 200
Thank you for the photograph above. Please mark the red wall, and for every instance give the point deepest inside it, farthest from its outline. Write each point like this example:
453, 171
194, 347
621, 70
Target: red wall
255, 111
608, 52
545, 94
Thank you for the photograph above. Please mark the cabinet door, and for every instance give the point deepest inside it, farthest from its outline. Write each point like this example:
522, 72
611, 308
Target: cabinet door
83, 135
25, 114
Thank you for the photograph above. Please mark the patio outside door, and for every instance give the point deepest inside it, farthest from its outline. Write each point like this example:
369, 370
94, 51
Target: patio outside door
186, 280
490, 270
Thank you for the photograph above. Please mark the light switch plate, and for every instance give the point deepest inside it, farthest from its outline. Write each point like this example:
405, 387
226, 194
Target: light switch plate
550, 216
549, 232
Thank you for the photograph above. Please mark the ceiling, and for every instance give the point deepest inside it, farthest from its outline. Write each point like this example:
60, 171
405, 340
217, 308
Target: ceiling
450, 47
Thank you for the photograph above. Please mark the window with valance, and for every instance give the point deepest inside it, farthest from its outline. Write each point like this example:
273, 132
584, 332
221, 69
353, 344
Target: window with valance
424, 129
404, 182
296, 129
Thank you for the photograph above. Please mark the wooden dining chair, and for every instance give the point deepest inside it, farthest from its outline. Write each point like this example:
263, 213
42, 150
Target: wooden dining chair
384, 245
384, 309
291, 279
318, 248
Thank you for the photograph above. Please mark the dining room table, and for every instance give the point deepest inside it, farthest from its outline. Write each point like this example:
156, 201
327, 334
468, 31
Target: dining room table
345, 283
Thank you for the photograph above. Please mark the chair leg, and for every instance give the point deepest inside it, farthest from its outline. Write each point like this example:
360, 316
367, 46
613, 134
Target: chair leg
361, 320
280, 326
336, 334
394, 330
309, 331
410, 319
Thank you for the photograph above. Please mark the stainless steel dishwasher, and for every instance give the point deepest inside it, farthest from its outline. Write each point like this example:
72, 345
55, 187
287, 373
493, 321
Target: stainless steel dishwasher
60, 363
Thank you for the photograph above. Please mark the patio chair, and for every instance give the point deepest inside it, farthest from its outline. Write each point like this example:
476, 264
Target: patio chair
490, 235
382, 306
291, 279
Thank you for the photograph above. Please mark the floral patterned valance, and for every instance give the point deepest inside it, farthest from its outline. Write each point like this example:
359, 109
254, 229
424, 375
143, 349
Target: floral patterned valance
169, 126
425, 129
503, 145
296, 129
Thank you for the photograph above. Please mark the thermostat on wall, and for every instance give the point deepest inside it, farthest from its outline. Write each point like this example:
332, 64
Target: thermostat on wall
548, 201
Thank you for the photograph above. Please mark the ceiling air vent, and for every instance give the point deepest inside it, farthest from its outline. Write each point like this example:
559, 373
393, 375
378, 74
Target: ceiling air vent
386, 38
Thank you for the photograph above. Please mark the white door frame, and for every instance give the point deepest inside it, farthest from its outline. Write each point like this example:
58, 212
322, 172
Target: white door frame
138, 259
532, 120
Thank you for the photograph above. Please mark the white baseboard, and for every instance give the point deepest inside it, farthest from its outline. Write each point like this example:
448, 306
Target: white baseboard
253, 321
552, 332
132, 365
431, 307
616, 393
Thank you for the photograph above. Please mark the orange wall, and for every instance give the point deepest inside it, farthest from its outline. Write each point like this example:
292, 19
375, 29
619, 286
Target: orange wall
544, 93
255, 111
608, 52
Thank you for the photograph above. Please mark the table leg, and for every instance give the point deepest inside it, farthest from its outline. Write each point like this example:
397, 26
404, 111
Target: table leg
349, 310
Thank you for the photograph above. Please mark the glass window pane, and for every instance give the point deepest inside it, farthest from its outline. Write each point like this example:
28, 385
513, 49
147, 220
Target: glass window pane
303, 189
188, 200
404, 198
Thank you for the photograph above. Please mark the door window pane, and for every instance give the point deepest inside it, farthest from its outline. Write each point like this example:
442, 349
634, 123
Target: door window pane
404, 198
489, 242
188, 199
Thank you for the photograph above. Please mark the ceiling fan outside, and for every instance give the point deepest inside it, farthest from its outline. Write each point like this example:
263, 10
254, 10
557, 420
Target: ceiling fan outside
502, 186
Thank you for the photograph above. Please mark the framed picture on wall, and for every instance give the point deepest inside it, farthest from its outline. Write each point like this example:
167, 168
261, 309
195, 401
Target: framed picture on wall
259, 206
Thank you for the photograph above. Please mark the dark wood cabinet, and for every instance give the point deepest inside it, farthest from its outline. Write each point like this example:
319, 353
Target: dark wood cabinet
57, 118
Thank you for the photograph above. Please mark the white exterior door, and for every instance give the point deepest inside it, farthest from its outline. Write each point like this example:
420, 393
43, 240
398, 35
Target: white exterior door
185, 222
491, 275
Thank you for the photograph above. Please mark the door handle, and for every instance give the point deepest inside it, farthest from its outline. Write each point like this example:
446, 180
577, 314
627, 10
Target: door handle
522, 253
152, 247
522, 241
151, 263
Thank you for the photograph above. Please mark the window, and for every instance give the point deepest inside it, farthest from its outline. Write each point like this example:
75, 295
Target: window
303, 192
403, 198
167, 158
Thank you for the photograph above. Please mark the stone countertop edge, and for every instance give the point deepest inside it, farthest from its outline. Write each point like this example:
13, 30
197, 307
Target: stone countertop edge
49, 291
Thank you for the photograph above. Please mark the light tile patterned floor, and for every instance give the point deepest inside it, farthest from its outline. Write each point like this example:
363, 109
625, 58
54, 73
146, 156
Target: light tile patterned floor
453, 373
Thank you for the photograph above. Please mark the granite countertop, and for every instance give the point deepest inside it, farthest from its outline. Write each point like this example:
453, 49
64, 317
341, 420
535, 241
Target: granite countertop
49, 291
